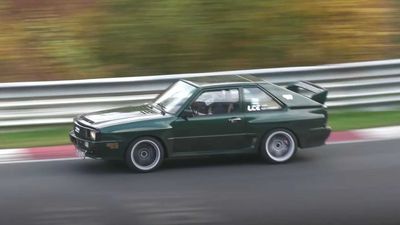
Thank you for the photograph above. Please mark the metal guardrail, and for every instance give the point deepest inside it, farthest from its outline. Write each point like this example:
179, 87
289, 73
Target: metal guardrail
362, 84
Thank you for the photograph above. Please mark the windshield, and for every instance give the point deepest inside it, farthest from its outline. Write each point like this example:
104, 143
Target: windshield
175, 96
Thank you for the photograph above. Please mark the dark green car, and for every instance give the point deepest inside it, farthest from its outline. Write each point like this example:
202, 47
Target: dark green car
208, 116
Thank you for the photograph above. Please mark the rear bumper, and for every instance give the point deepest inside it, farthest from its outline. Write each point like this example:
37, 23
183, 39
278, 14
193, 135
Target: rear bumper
97, 149
315, 137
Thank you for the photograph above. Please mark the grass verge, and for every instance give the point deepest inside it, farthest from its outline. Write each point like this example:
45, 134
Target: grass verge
34, 136
358, 120
58, 134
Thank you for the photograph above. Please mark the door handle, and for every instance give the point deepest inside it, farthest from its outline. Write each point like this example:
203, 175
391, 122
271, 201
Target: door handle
234, 119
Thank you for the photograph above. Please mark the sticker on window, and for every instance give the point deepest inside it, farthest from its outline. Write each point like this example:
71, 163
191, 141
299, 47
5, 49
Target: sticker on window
288, 97
254, 107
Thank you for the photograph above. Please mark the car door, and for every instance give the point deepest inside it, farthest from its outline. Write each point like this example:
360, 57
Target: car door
216, 126
262, 112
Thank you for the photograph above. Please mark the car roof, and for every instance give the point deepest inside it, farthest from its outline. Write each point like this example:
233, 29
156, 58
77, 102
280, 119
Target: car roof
223, 80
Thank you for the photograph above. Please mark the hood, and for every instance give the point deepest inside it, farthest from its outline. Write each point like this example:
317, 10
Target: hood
121, 115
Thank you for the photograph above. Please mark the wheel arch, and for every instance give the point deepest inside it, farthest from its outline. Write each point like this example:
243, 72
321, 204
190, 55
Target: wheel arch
150, 136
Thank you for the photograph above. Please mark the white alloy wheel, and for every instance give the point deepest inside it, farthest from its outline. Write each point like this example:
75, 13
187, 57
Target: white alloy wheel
145, 154
279, 146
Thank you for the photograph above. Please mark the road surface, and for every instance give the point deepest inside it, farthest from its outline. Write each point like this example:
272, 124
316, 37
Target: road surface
354, 184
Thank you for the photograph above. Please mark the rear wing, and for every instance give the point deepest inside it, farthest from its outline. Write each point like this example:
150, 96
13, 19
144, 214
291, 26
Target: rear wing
309, 90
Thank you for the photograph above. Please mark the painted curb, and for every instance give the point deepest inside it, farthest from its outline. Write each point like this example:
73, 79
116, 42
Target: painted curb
37, 154
68, 152
363, 135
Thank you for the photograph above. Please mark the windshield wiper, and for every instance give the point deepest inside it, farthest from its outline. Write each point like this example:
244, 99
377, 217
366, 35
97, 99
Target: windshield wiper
162, 108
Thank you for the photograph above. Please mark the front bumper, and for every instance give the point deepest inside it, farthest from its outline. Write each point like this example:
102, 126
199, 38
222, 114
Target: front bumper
97, 149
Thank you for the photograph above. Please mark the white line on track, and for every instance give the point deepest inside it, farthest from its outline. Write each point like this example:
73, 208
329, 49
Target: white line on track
359, 141
40, 160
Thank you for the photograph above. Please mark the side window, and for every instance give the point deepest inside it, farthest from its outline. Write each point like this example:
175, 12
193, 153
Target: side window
257, 100
216, 102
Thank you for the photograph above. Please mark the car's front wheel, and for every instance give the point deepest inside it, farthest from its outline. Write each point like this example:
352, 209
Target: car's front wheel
279, 146
144, 154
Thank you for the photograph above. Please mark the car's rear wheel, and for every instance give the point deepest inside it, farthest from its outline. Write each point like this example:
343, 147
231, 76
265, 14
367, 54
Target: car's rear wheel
279, 146
145, 154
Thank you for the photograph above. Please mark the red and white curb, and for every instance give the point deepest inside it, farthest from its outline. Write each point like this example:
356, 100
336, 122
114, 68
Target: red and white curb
364, 135
39, 154
68, 152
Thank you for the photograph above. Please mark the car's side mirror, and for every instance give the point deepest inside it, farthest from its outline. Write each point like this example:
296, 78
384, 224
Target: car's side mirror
187, 113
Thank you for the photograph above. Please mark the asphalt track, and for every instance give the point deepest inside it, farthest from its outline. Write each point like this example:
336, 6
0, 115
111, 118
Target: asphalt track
353, 184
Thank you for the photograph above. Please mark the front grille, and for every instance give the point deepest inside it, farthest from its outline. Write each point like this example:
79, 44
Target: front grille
81, 131
80, 144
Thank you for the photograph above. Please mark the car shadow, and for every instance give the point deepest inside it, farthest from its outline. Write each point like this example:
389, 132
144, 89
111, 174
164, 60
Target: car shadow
92, 166
226, 161
119, 167
211, 161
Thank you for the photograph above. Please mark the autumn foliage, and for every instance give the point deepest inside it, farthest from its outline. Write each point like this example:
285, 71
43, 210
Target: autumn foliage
50, 40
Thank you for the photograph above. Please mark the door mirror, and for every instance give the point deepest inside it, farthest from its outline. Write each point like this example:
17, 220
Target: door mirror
187, 113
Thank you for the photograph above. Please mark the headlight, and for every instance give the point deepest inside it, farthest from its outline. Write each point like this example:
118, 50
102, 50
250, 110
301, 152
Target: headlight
93, 135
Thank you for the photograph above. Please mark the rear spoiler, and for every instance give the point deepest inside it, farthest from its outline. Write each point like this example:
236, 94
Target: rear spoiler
309, 90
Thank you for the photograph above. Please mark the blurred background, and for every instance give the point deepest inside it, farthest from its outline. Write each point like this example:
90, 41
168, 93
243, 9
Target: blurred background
79, 39
50, 51
50, 40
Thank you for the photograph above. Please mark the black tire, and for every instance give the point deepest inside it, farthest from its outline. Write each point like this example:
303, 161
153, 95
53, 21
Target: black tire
145, 154
278, 146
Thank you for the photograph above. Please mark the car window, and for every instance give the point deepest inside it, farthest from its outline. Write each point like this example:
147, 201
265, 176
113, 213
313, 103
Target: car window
216, 102
257, 100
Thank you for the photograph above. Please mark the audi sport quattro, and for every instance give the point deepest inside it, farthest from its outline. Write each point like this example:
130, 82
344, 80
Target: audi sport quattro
208, 116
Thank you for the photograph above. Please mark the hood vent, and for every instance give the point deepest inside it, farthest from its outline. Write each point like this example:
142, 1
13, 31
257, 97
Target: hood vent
87, 120
146, 109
